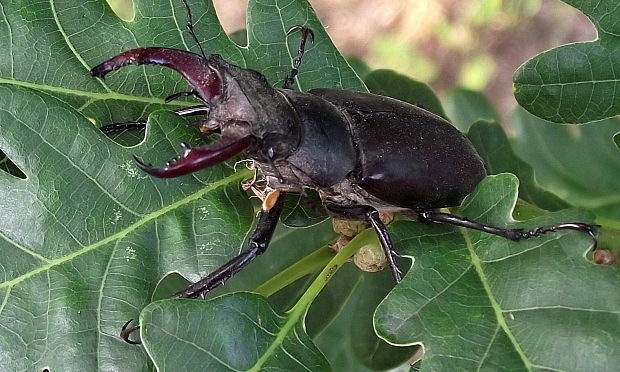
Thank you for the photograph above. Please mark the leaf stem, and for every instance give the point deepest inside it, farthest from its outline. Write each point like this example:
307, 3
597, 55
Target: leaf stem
299, 310
307, 265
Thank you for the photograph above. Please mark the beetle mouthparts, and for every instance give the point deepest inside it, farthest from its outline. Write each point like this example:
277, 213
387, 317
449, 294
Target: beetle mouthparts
194, 159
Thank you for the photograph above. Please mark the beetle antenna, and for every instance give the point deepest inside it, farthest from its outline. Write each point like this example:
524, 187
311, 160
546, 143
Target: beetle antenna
190, 27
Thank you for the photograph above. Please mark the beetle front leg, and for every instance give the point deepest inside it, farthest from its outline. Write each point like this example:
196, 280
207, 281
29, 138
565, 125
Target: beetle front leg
510, 234
305, 33
256, 245
371, 215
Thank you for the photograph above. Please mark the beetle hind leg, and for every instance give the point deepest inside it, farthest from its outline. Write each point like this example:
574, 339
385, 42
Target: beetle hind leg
510, 234
371, 215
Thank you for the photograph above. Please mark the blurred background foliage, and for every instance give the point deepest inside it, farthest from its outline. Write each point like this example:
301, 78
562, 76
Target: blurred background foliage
475, 44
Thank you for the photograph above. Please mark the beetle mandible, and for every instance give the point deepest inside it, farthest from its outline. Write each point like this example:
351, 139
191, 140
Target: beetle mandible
363, 153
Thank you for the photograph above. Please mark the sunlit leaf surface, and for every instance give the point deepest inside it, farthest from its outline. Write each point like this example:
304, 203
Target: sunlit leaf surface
579, 82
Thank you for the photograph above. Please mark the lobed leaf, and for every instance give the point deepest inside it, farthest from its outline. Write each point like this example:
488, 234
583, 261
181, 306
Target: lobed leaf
576, 83
480, 302
233, 332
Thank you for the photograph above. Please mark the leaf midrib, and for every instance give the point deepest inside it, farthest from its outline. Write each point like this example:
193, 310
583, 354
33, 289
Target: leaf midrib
88, 94
236, 177
576, 82
70, 45
501, 321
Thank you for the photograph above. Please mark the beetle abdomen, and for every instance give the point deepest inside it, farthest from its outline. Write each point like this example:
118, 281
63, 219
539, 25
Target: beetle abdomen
407, 156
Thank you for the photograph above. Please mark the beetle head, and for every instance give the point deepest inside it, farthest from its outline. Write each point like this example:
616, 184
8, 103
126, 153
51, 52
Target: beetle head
250, 115
247, 97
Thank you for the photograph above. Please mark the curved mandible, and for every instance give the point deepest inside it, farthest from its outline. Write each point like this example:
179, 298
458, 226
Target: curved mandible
193, 67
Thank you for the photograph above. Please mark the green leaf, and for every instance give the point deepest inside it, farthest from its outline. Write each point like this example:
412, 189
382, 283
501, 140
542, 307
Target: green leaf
350, 342
579, 163
94, 234
392, 84
576, 83
232, 332
86, 237
492, 144
70, 40
303, 210
465, 107
243, 330
480, 302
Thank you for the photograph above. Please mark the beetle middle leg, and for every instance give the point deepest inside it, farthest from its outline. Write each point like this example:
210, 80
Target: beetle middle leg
371, 215
510, 234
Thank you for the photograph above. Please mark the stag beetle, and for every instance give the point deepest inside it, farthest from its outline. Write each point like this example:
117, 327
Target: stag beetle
363, 153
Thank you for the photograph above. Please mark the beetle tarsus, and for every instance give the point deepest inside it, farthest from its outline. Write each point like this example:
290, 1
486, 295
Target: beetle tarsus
118, 127
257, 244
510, 234
305, 32
126, 331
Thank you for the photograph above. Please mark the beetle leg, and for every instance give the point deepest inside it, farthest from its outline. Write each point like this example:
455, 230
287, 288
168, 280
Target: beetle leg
371, 215
510, 234
190, 93
257, 244
126, 331
305, 32
193, 110
186, 111
119, 127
